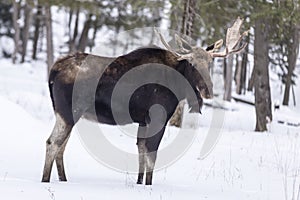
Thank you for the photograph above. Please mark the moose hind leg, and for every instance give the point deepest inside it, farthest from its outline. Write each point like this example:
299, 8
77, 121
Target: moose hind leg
60, 162
54, 145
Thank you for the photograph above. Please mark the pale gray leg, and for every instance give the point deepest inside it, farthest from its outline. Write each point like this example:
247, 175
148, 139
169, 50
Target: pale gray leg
152, 144
141, 143
60, 162
55, 144
150, 162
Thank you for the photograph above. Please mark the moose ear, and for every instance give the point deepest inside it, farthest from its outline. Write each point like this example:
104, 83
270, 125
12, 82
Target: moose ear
210, 47
215, 46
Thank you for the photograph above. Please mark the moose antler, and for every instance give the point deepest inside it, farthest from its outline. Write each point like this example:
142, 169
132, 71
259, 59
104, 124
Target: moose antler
164, 42
233, 40
181, 53
179, 42
233, 44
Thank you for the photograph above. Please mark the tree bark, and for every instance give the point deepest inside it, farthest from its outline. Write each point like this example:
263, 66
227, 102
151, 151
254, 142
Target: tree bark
176, 119
188, 17
36, 35
16, 7
84, 34
251, 81
95, 30
293, 50
49, 35
70, 21
228, 79
25, 32
186, 29
238, 75
261, 76
241, 72
72, 45
244, 70
70, 26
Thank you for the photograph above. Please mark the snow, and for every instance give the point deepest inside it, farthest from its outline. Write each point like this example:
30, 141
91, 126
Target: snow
244, 165
7, 45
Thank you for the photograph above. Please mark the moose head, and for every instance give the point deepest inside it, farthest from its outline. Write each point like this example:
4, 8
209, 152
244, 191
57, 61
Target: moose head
200, 58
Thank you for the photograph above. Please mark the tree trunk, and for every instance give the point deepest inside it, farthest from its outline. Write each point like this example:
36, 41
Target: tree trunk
49, 36
228, 79
188, 17
84, 34
241, 72
293, 50
36, 35
186, 29
176, 119
70, 22
244, 70
25, 32
261, 76
251, 81
224, 71
16, 7
238, 75
72, 44
95, 30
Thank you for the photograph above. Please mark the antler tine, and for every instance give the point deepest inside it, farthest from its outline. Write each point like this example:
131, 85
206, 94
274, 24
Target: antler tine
233, 39
187, 43
238, 50
233, 33
179, 41
220, 54
164, 42
240, 39
218, 44
215, 46
179, 56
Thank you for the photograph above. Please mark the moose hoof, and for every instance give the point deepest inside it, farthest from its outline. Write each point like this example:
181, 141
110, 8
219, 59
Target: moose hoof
45, 180
149, 183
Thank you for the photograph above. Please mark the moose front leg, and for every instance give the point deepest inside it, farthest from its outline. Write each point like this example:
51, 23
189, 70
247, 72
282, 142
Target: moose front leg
141, 143
146, 162
152, 144
147, 147
142, 161
150, 163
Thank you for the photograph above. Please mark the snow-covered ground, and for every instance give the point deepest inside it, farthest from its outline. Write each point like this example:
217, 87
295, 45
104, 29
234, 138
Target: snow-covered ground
243, 165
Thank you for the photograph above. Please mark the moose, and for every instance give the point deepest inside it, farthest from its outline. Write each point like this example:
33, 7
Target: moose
83, 69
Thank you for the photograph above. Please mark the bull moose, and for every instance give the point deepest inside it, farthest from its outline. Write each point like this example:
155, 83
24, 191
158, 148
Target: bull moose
190, 61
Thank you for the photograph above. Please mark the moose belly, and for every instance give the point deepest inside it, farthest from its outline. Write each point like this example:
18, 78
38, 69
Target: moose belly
135, 108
